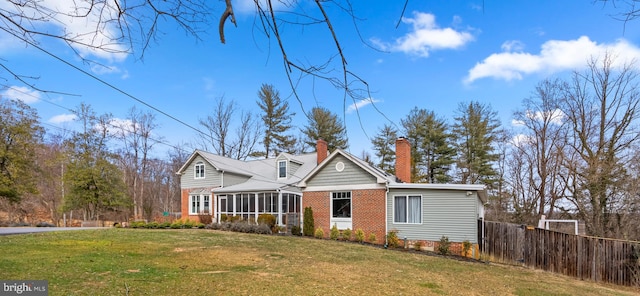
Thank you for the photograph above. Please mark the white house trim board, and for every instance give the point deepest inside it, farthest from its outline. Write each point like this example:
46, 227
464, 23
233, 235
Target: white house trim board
379, 177
345, 187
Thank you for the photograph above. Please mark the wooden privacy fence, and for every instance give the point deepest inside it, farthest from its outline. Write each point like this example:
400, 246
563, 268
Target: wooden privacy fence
587, 258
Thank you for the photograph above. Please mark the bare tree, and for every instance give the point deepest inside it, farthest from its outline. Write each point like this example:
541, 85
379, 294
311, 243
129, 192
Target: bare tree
537, 154
135, 134
119, 28
217, 128
601, 108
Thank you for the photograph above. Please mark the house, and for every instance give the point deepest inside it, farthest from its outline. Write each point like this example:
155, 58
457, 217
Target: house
345, 191
222, 186
342, 190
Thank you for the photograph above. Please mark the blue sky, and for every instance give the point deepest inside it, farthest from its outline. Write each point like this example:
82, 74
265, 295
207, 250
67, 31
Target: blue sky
441, 54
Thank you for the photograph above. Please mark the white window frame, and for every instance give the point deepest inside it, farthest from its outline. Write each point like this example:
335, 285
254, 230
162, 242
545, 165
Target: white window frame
199, 173
350, 204
285, 169
199, 201
407, 209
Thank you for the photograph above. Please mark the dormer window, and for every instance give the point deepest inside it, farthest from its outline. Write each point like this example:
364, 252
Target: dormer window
282, 169
199, 170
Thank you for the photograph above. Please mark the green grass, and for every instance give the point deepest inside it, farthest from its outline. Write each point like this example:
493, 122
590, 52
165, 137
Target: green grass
205, 262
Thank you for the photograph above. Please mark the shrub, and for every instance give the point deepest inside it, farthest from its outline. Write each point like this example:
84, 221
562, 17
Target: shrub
319, 233
233, 219
295, 230
372, 238
308, 224
334, 233
263, 229
392, 239
200, 225
224, 218
176, 224
189, 224
205, 218
346, 234
466, 247
443, 246
359, 235
417, 246
267, 219
165, 225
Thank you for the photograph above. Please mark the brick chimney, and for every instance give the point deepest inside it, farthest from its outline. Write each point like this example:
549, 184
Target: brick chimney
403, 160
322, 150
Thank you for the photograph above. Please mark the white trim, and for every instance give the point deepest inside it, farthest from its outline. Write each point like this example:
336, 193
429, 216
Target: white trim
472, 187
195, 170
393, 208
344, 187
286, 169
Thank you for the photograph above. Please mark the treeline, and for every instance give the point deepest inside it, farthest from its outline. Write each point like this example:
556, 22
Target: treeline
572, 151
104, 171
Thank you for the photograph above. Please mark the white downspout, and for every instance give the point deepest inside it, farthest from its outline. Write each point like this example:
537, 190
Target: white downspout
386, 217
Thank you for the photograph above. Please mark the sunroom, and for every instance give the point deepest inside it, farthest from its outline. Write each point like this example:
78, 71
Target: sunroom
285, 205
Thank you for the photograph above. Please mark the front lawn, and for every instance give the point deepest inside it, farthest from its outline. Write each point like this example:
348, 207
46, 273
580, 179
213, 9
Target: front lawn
207, 262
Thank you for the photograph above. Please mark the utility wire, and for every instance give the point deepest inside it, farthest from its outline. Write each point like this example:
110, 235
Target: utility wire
105, 82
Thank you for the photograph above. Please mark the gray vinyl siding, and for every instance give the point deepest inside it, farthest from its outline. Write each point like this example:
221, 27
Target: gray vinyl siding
351, 175
211, 176
233, 179
444, 212
292, 168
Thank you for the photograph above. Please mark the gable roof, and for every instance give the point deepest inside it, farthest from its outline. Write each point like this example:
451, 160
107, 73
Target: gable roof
390, 180
381, 176
261, 172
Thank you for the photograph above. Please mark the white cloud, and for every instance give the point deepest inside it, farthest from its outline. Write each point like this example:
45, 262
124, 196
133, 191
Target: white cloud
57, 16
554, 56
21, 93
120, 127
361, 104
515, 122
521, 139
249, 6
556, 116
426, 36
512, 45
62, 118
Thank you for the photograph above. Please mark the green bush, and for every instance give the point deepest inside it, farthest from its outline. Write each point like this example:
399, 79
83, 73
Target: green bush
295, 230
165, 225
443, 246
200, 225
189, 224
308, 225
319, 233
359, 235
153, 225
372, 238
176, 224
346, 234
233, 219
267, 219
392, 239
334, 233
224, 218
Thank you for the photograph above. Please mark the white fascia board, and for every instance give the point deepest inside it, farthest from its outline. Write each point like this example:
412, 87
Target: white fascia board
344, 187
470, 187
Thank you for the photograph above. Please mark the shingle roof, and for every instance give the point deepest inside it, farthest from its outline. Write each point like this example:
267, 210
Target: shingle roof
262, 172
